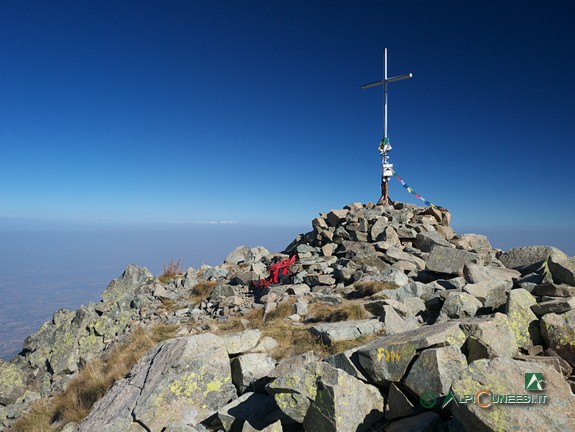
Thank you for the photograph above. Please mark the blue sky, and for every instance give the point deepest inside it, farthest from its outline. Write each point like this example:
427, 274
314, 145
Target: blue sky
190, 111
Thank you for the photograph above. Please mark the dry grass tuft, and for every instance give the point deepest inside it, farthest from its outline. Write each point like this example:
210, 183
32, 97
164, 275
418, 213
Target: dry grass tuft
346, 311
202, 291
282, 311
293, 340
171, 271
369, 288
91, 383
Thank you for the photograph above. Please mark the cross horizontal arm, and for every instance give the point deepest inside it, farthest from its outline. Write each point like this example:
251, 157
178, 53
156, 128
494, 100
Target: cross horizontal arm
388, 80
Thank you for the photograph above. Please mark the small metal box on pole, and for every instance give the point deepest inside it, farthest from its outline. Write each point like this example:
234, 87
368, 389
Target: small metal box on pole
385, 146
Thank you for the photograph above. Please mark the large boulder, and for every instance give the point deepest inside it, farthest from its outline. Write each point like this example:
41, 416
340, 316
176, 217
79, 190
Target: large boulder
387, 358
529, 258
476, 273
331, 333
522, 320
449, 261
489, 337
501, 377
13, 382
189, 375
435, 369
324, 398
562, 270
250, 408
558, 331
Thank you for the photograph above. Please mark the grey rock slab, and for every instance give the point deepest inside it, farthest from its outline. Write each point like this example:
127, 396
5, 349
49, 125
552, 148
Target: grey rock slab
425, 242
248, 368
558, 306
427, 421
390, 236
387, 358
344, 403
460, 305
553, 290
220, 292
522, 320
492, 294
335, 217
435, 369
529, 258
377, 229
449, 261
242, 342
494, 332
250, 407
13, 383
504, 376
394, 254
348, 361
299, 290
238, 255
392, 275
345, 330
415, 305
476, 273
190, 375
398, 405
291, 364
562, 270
394, 323
558, 331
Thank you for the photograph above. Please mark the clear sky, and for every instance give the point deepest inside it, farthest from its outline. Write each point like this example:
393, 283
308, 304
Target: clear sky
252, 111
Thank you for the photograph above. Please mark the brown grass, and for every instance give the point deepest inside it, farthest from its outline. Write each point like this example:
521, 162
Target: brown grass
346, 311
369, 288
91, 383
171, 271
282, 311
202, 291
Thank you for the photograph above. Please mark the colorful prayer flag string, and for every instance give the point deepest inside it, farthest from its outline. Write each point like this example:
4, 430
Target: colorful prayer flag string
411, 191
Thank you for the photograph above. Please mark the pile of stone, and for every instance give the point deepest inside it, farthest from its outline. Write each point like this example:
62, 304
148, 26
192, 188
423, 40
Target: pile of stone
448, 315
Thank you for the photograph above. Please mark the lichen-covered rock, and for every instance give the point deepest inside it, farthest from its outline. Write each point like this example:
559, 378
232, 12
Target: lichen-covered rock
387, 358
186, 379
248, 368
522, 320
459, 305
325, 398
504, 376
476, 273
558, 331
13, 382
449, 261
529, 258
494, 333
435, 369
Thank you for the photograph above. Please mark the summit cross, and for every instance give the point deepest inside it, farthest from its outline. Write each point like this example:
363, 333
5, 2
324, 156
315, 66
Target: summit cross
385, 147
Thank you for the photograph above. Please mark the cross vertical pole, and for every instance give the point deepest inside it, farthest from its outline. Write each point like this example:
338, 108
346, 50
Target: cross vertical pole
385, 147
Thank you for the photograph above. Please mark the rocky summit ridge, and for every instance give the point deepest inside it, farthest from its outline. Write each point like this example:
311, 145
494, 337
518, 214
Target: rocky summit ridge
411, 327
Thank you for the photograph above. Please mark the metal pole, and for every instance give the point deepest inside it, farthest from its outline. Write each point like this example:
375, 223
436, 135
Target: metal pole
385, 93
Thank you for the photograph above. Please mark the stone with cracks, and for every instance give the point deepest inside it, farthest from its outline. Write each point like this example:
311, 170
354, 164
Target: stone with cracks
558, 331
522, 320
529, 258
435, 369
189, 375
562, 270
504, 376
13, 382
449, 261
325, 398
386, 359
242, 342
558, 306
426, 241
476, 273
394, 323
492, 294
459, 305
248, 368
345, 330
494, 333
398, 405
553, 290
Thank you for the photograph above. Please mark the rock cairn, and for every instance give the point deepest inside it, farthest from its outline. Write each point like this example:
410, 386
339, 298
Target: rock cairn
446, 316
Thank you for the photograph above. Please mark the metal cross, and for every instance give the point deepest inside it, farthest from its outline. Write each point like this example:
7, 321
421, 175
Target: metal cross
385, 147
